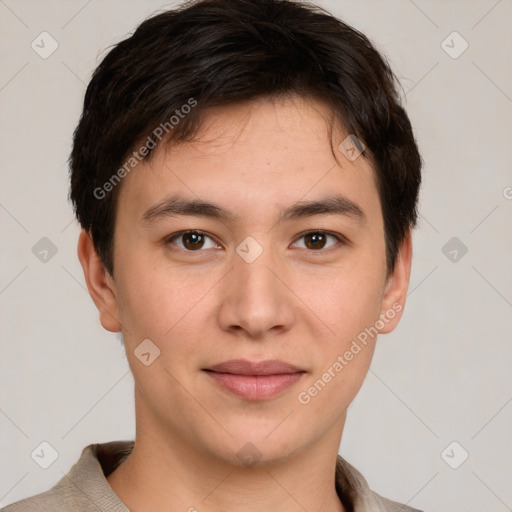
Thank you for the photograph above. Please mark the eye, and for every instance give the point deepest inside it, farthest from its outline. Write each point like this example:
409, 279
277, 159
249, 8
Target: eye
191, 241
316, 240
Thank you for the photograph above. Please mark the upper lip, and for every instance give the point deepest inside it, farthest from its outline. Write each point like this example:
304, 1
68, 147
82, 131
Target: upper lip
244, 367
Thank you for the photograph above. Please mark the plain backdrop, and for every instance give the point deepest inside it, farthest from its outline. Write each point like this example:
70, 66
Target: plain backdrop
440, 385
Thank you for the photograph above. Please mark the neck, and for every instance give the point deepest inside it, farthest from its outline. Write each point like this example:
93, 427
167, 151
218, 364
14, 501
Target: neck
166, 472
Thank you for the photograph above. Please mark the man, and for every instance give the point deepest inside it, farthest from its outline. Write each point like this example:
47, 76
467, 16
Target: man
247, 182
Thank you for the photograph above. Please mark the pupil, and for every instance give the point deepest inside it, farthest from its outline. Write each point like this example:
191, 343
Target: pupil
196, 240
317, 238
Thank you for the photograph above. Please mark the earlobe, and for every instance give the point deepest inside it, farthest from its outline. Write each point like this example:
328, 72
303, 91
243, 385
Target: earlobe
395, 293
99, 283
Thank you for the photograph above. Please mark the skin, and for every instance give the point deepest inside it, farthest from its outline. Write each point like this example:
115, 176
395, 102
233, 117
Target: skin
299, 304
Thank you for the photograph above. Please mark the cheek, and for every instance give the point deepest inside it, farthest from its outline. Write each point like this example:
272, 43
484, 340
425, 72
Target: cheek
146, 299
350, 306
163, 304
347, 299
359, 308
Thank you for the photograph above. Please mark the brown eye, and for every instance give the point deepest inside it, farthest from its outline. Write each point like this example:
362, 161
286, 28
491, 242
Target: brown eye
317, 240
191, 241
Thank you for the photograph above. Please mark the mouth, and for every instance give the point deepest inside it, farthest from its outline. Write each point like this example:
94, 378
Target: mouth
255, 380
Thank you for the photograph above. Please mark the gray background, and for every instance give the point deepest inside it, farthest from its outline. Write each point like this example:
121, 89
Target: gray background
442, 376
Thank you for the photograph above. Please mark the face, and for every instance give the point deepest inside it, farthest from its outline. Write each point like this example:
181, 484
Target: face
255, 247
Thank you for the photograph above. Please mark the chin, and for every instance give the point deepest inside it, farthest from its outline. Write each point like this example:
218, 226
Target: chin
256, 446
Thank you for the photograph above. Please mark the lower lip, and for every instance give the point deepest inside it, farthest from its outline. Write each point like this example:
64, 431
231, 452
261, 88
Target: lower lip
256, 387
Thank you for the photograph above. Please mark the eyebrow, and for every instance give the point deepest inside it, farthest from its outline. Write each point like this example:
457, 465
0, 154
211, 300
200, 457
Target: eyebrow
172, 206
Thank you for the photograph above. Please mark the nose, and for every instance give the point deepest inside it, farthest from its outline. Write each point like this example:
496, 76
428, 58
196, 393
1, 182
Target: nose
255, 298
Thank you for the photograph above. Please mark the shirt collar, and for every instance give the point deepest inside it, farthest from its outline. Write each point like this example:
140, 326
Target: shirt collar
99, 460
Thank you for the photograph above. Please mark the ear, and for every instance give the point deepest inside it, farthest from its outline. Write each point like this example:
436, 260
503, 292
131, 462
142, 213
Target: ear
100, 284
395, 292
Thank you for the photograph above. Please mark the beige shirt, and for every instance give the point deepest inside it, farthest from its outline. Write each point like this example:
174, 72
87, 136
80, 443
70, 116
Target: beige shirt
86, 489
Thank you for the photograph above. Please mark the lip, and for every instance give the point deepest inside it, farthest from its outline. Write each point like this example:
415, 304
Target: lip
254, 368
256, 380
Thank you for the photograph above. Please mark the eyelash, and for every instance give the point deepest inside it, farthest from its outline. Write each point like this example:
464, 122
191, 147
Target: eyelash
341, 240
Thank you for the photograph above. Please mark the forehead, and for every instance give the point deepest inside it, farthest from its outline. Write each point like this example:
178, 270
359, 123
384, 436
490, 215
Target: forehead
254, 156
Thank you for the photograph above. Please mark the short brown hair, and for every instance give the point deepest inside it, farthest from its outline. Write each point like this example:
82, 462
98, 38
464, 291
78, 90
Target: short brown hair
220, 52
